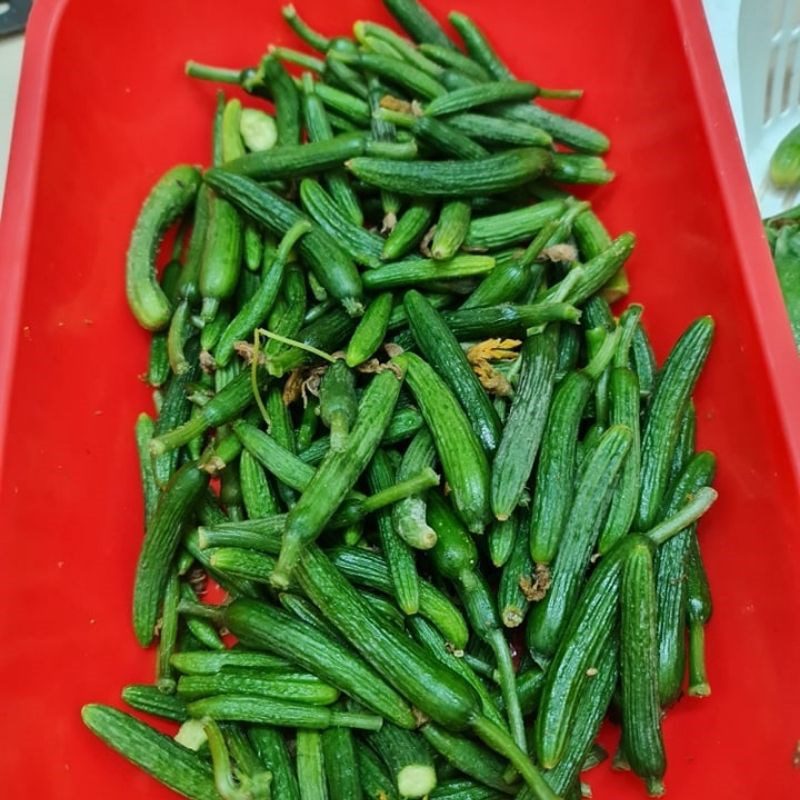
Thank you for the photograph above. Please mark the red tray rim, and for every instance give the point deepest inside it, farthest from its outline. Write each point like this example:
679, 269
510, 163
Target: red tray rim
773, 330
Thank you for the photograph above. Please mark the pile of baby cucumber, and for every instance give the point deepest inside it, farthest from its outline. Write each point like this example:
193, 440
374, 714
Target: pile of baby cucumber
449, 494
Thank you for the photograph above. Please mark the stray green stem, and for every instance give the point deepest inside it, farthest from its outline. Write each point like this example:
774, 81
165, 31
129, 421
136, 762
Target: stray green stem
300, 345
206, 72
690, 513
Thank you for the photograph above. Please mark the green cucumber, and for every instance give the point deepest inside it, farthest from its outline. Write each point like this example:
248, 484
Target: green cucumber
369, 570
204, 662
412, 272
145, 428
270, 746
285, 97
464, 789
478, 46
592, 496
338, 404
449, 57
158, 366
370, 331
408, 515
698, 611
300, 689
512, 599
332, 267
501, 538
467, 757
257, 493
575, 134
253, 312
158, 755
524, 426
311, 778
672, 580
418, 22
341, 765
436, 691
376, 784
503, 131
624, 392
593, 704
585, 637
338, 473
168, 199
406, 758
641, 712
451, 229
443, 352
508, 282
300, 159
408, 231
455, 557
512, 227
160, 544
482, 94
152, 700
447, 652
168, 633
556, 469
399, 556
361, 245
676, 382
395, 71
319, 129
491, 175
462, 457
275, 631
599, 270
436, 134
280, 713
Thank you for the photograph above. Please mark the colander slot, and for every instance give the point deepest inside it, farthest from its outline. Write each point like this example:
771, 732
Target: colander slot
790, 76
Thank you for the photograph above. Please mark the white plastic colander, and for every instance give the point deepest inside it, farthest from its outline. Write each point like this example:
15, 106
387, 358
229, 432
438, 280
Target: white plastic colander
759, 53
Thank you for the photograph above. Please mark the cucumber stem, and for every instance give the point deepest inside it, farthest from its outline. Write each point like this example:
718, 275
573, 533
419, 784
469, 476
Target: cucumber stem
597, 365
540, 241
300, 345
192, 608
698, 681
692, 511
508, 686
311, 37
501, 742
628, 323
178, 436
481, 667
296, 57
425, 479
220, 758
206, 72
560, 94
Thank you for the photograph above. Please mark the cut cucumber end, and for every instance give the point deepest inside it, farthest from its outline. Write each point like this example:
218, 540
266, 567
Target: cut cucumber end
416, 780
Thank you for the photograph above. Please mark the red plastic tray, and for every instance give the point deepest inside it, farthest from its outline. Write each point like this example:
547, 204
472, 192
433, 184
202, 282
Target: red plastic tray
104, 109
